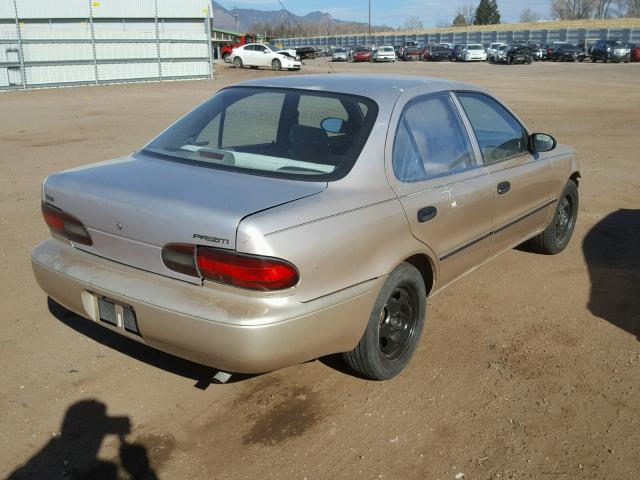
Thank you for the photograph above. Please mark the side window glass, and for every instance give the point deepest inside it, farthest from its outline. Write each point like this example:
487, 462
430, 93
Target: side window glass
498, 132
431, 140
312, 110
240, 127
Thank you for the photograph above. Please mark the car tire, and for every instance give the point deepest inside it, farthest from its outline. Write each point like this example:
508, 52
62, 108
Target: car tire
276, 65
237, 62
556, 236
225, 58
394, 328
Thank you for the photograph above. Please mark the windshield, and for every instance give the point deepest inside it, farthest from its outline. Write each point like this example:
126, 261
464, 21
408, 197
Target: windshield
475, 47
282, 133
274, 49
339, 50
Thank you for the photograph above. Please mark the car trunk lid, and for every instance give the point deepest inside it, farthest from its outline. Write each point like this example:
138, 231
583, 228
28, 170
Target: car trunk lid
134, 206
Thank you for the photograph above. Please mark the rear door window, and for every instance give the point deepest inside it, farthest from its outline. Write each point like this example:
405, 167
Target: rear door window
431, 140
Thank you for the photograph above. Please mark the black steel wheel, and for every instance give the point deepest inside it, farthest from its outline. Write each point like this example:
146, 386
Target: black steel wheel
394, 328
556, 236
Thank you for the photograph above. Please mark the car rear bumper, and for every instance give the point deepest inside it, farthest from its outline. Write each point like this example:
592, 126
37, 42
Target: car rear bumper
223, 327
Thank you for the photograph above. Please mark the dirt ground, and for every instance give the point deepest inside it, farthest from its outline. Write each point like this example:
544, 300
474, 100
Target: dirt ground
529, 367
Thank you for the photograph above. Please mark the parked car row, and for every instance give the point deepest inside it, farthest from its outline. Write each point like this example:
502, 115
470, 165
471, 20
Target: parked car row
519, 52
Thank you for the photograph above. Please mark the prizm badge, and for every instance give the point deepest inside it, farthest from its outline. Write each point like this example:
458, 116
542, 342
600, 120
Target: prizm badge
222, 241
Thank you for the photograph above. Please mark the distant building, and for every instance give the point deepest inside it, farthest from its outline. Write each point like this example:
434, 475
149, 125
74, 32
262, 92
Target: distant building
70, 42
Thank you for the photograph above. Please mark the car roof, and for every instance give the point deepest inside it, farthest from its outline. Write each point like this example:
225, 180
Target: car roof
378, 87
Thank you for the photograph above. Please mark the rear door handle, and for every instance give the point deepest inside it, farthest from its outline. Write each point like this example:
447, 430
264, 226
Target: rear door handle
503, 187
427, 213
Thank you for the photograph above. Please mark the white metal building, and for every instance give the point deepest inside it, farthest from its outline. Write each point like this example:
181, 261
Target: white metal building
70, 42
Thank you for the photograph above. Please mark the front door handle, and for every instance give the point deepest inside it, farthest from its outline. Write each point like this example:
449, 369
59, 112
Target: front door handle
503, 187
427, 213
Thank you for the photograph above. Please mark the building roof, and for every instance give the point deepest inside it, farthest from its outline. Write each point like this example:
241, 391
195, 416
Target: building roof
228, 32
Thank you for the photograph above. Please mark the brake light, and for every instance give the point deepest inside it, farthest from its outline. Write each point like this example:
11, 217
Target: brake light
65, 225
246, 271
240, 270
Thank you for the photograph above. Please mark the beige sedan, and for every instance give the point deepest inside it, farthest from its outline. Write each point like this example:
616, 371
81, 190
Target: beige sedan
290, 218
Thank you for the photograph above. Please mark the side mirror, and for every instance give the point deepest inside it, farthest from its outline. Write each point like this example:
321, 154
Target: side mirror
541, 142
332, 125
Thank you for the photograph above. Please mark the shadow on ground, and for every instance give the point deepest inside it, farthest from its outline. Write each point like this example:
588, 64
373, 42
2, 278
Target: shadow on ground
612, 252
73, 453
202, 374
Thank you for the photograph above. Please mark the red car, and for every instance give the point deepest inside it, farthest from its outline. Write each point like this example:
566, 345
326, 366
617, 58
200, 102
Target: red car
362, 54
634, 53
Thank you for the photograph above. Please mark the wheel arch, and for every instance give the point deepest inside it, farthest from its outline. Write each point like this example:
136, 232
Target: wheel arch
575, 178
425, 266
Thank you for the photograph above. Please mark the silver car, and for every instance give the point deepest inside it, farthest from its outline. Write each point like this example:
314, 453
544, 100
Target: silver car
340, 55
286, 219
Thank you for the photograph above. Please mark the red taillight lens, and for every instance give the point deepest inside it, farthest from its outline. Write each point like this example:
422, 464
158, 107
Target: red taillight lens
246, 271
65, 225
252, 272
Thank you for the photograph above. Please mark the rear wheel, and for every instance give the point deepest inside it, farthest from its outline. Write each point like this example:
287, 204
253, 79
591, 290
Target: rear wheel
556, 236
394, 328
237, 62
226, 58
276, 65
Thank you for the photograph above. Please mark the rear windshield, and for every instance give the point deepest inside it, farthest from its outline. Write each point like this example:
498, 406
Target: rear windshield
475, 47
284, 133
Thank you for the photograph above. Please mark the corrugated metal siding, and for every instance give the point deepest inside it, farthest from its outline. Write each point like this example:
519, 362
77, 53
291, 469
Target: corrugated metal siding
100, 41
104, 8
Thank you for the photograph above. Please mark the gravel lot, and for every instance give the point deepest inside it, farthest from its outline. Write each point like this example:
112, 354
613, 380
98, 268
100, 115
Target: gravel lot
529, 367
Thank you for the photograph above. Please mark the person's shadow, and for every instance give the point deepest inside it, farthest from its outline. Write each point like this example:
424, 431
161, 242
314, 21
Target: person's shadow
73, 454
612, 252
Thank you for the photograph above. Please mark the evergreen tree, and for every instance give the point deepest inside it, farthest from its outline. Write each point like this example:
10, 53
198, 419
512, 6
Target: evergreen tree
487, 13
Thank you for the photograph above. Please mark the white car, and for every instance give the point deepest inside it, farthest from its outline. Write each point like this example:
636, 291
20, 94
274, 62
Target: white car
260, 55
492, 51
385, 54
474, 52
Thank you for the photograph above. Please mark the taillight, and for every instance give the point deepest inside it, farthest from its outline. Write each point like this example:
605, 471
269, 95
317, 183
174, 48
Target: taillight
180, 257
65, 225
245, 271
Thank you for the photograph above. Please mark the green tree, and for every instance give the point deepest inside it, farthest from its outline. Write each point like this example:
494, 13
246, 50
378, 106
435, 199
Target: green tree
460, 21
487, 13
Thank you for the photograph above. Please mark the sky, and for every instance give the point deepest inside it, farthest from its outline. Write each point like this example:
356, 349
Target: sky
393, 13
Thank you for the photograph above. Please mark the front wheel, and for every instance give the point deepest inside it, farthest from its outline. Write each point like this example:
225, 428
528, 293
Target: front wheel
276, 65
556, 236
394, 328
237, 62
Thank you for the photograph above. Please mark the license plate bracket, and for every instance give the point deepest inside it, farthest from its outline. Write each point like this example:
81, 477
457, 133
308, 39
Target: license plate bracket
118, 315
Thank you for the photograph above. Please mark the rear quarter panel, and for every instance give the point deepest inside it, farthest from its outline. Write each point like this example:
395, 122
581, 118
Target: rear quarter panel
333, 247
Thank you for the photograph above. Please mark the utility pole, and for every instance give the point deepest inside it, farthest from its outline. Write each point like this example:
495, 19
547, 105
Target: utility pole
369, 19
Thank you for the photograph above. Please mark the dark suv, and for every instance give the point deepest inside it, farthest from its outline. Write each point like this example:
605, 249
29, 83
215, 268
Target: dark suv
610, 51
